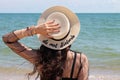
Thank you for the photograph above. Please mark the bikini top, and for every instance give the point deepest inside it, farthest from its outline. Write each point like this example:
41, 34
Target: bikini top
72, 70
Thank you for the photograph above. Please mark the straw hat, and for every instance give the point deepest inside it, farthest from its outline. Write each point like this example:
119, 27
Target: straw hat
70, 27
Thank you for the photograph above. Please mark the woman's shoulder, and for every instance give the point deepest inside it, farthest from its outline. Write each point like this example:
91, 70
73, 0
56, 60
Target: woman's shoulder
71, 54
76, 52
79, 55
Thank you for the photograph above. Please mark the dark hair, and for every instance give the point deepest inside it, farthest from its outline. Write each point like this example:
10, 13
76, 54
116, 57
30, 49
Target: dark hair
52, 62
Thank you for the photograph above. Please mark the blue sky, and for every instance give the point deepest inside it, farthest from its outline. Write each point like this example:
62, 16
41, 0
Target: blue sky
78, 6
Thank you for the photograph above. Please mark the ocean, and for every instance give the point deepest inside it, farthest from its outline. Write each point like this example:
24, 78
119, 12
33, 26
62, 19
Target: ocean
99, 40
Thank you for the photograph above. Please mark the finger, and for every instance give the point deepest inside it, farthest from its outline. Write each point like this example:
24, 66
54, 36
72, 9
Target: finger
56, 31
50, 22
45, 25
50, 31
51, 25
53, 31
54, 27
49, 36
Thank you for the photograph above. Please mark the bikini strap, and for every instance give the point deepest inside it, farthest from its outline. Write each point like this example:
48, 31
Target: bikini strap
80, 65
71, 75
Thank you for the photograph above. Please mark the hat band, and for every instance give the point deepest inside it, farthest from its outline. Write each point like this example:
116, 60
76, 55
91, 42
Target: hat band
61, 38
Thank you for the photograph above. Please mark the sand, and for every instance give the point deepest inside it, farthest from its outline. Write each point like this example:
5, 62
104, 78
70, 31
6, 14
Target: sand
12, 74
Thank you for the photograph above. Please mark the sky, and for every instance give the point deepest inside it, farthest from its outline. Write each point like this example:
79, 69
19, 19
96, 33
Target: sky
78, 6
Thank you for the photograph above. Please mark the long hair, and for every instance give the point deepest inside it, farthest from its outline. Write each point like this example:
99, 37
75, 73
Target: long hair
52, 62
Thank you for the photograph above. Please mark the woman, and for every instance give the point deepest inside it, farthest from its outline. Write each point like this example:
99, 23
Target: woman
50, 63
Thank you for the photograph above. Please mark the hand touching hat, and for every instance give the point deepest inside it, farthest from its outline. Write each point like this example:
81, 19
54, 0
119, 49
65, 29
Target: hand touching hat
69, 27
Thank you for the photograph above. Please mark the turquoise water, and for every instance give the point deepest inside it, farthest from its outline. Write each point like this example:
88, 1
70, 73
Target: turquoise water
99, 39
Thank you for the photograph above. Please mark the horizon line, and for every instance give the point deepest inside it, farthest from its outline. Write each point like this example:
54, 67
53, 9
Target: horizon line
75, 13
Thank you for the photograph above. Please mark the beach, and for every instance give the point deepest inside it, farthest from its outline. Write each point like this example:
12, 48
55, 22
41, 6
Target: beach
22, 75
99, 40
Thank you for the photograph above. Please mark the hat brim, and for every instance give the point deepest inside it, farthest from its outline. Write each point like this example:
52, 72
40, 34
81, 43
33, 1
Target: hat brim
74, 28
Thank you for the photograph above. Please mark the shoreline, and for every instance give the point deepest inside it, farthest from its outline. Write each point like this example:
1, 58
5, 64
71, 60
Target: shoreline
102, 74
21, 74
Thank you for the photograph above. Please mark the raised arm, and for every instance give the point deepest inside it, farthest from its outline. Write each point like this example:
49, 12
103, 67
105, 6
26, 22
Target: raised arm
11, 39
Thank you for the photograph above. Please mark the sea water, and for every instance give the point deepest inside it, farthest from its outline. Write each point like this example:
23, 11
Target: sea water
99, 39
